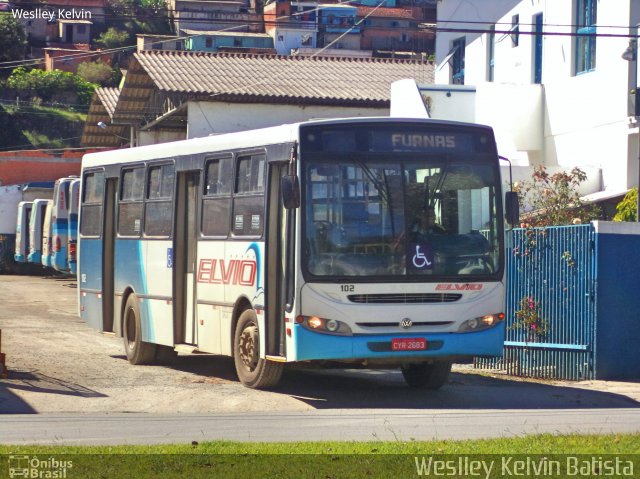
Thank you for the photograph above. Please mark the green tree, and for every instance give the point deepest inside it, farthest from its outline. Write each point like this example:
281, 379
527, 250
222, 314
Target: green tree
13, 40
121, 7
46, 85
113, 38
155, 7
96, 72
554, 199
628, 207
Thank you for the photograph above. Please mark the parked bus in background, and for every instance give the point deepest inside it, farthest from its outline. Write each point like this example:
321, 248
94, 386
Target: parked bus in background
301, 243
47, 235
36, 224
60, 224
22, 231
74, 198
10, 198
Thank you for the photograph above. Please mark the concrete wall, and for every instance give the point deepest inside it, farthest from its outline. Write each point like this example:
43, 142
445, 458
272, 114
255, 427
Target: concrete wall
153, 137
205, 118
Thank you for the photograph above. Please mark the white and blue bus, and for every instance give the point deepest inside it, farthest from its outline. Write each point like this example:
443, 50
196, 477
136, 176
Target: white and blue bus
60, 224
299, 243
36, 229
22, 231
72, 237
47, 235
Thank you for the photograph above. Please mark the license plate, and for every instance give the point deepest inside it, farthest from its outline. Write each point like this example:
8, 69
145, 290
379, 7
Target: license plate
408, 344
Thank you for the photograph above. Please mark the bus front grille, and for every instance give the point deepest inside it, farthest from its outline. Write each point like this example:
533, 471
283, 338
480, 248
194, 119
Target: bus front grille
417, 323
405, 298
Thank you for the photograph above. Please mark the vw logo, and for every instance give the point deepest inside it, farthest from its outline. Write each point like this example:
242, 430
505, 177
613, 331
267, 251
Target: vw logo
406, 323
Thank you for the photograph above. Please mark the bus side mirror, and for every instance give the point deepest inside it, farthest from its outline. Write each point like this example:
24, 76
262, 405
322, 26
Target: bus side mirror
290, 188
512, 208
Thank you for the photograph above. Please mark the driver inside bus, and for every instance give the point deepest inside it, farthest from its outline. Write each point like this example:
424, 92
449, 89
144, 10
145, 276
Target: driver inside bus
426, 224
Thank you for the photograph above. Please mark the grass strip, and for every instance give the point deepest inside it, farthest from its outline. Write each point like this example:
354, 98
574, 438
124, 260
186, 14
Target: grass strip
532, 456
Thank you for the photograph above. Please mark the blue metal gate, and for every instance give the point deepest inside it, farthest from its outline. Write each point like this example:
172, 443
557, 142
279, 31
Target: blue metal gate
550, 304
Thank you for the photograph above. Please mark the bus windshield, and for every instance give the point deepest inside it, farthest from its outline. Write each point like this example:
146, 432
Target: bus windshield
400, 216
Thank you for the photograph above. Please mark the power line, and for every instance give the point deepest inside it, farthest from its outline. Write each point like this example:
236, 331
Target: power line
37, 144
278, 22
166, 14
93, 53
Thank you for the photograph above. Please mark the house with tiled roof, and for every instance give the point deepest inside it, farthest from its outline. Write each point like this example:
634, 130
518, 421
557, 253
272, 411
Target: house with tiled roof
57, 22
99, 129
233, 15
176, 95
394, 30
312, 27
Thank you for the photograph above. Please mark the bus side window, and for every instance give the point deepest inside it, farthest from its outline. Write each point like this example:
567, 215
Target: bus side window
92, 193
131, 202
217, 197
248, 201
157, 220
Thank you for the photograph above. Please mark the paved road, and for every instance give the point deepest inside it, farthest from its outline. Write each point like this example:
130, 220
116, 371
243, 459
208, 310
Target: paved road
69, 384
323, 425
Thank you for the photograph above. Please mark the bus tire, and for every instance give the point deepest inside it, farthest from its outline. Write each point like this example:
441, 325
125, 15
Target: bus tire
252, 370
138, 352
426, 375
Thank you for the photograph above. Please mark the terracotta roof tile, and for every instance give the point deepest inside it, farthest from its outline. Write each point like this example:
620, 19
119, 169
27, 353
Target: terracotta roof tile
287, 79
385, 12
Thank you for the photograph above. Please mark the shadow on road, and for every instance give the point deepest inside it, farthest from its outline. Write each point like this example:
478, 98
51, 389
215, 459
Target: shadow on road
207, 366
33, 381
371, 389
12, 404
386, 389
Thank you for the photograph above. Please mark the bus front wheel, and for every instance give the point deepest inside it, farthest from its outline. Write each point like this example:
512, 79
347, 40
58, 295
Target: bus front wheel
253, 371
138, 352
426, 375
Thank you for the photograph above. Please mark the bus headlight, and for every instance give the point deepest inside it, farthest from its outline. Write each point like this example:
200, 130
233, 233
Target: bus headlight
321, 325
480, 323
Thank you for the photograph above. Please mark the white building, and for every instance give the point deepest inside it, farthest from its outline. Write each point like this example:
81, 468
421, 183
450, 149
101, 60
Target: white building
554, 97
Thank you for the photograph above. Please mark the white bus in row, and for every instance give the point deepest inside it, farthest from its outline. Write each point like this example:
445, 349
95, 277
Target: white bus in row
46, 229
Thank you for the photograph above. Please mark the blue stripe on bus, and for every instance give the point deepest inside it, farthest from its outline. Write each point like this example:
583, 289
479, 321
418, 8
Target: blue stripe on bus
59, 259
148, 331
91, 279
73, 239
91, 260
255, 247
311, 345
129, 273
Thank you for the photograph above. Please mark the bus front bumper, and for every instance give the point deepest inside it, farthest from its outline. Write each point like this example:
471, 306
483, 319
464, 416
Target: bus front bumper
318, 346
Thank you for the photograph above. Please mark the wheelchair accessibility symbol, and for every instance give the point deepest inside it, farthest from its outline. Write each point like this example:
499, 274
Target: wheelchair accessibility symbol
422, 258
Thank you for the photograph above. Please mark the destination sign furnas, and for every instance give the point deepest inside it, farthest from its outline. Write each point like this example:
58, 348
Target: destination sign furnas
422, 141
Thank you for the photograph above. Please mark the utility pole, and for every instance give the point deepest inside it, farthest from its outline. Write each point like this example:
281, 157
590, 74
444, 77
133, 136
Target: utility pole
631, 55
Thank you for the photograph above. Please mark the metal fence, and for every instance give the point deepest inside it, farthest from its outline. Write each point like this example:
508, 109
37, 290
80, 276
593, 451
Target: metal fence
550, 304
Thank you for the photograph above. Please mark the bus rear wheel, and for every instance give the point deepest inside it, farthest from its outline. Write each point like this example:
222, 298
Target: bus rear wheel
138, 352
426, 375
253, 371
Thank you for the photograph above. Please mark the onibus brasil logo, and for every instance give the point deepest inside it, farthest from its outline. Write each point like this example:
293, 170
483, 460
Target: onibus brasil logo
37, 468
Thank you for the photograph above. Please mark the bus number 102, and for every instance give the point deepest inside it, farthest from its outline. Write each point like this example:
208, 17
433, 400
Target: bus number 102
347, 288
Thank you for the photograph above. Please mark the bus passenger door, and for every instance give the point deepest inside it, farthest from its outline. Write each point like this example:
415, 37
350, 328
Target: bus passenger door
108, 258
279, 261
185, 255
